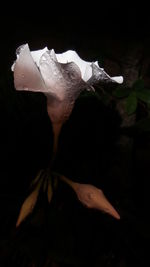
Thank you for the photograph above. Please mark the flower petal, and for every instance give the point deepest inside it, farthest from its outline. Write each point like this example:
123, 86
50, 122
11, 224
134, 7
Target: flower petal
90, 71
100, 76
118, 79
61, 77
87, 73
52, 75
26, 74
72, 56
36, 55
63, 82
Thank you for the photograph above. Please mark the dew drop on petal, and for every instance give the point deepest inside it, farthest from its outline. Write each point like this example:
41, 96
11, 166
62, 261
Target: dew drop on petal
19, 49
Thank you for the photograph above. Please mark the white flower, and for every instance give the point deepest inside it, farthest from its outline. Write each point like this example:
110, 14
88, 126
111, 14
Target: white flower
61, 77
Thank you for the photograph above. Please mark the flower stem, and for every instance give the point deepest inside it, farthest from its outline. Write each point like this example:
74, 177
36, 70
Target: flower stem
56, 132
68, 181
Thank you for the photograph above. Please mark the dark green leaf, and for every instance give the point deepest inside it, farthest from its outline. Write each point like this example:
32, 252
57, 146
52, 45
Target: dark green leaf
138, 85
144, 125
144, 95
131, 103
121, 92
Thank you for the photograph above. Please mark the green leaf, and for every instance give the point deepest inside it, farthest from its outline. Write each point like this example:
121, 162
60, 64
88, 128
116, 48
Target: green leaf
144, 125
144, 95
138, 85
121, 92
131, 103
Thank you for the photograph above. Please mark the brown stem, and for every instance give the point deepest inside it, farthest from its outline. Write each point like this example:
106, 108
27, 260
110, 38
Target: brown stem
68, 181
56, 133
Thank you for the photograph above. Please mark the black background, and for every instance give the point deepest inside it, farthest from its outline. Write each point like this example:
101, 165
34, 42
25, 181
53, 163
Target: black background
74, 25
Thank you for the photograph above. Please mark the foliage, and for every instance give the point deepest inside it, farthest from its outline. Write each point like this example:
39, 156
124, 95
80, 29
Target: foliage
134, 95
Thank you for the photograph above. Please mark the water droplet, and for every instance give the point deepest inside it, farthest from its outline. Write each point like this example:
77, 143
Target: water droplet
19, 49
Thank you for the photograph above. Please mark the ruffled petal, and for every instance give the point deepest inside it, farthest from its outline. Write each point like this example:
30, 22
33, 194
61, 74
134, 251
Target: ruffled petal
36, 55
26, 74
63, 82
61, 77
52, 75
100, 76
90, 71
72, 56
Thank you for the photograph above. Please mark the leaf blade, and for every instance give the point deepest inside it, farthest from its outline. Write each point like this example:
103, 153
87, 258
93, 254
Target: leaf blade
144, 95
131, 103
92, 197
121, 92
